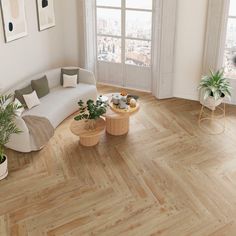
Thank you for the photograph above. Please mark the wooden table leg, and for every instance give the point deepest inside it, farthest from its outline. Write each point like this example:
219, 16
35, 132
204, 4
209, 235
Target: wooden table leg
89, 141
117, 127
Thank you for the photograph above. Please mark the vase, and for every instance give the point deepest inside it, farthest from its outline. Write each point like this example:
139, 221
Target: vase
3, 169
211, 103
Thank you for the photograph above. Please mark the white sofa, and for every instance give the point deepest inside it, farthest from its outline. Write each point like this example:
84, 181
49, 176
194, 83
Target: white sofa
56, 106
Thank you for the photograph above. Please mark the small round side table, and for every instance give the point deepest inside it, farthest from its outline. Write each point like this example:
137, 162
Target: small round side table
116, 124
117, 120
212, 117
88, 138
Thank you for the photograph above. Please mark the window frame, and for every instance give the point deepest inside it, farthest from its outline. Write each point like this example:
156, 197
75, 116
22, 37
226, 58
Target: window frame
226, 32
123, 37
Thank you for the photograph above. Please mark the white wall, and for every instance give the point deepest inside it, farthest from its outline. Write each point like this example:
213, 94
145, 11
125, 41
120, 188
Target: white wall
71, 34
190, 39
40, 51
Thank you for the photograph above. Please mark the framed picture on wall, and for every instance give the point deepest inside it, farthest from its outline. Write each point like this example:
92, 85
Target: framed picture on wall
46, 14
14, 19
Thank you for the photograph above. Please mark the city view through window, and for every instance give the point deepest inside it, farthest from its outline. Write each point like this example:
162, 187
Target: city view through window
128, 41
230, 50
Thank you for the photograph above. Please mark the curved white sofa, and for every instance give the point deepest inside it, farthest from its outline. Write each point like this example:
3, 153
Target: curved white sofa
56, 106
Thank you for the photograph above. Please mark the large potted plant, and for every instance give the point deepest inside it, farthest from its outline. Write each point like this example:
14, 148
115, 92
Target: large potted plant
91, 112
214, 88
7, 127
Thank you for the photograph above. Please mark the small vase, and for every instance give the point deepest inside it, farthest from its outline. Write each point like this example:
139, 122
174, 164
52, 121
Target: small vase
211, 103
90, 124
3, 169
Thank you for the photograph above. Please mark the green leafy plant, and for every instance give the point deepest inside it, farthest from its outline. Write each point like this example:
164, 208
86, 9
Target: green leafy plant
215, 85
92, 110
7, 125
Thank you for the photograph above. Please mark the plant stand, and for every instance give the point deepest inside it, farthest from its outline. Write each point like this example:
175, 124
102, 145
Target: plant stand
212, 117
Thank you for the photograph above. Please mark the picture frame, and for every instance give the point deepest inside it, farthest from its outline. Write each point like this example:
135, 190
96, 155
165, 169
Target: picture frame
46, 14
14, 19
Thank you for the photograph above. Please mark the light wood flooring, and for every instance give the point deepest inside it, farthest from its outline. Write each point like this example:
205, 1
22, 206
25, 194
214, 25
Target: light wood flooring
166, 177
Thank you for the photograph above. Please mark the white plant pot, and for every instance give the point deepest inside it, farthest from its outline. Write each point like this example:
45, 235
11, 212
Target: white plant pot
3, 169
211, 103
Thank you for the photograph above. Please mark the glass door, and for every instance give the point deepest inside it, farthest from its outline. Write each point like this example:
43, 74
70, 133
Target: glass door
124, 42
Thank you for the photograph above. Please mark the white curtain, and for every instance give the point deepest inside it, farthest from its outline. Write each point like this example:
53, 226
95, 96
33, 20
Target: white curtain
164, 48
215, 39
90, 35
215, 34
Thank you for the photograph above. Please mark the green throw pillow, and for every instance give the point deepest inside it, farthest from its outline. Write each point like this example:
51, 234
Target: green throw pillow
20, 92
69, 72
41, 86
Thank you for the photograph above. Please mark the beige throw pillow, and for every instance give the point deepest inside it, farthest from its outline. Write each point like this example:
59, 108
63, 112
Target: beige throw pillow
31, 100
70, 81
19, 110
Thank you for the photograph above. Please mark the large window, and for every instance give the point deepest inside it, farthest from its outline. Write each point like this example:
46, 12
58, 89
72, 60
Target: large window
124, 31
230, 50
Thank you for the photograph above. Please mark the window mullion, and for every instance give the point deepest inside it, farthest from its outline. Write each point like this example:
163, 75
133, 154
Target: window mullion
123, 33
230, 45
110, 36
106, 7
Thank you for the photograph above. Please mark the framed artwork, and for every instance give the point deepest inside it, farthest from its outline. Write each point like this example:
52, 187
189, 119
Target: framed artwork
46, 14
14, 20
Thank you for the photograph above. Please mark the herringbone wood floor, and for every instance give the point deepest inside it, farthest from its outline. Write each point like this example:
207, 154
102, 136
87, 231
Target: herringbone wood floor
165, 177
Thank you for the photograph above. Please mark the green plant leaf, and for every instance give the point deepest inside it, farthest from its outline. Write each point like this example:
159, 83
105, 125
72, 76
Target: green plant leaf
215, 85
7, 121
93, 110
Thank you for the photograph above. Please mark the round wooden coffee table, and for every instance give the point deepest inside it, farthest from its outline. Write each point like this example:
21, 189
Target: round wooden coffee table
117, 120
88, 138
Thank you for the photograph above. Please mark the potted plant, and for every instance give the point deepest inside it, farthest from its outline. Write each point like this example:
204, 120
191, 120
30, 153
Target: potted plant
91, 112
234, 60
214, 89
7, 127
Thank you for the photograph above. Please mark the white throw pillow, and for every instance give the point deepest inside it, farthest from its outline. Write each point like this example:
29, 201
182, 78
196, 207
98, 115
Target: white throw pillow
31, 100
70, 81
20, 110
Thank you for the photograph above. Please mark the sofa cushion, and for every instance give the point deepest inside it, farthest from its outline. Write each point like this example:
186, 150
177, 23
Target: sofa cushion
62, 102
69, 72
20, 92
31, 100
41, 86
69, 81
20, 109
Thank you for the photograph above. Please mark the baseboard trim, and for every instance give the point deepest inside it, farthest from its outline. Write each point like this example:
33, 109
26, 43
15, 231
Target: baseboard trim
195, 98
118, 86
187, 96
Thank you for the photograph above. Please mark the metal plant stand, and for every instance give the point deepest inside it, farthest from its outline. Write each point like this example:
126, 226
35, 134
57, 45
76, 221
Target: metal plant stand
212, 117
